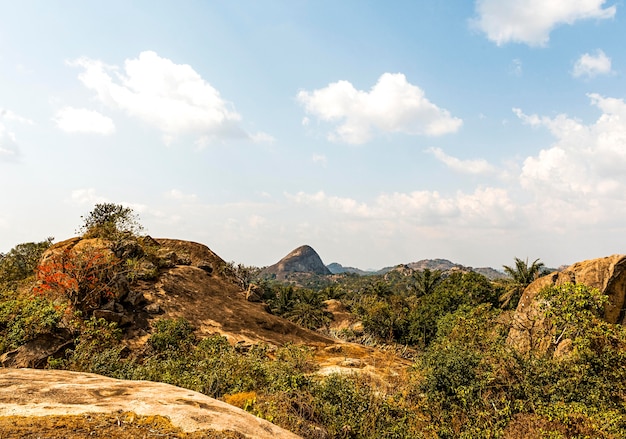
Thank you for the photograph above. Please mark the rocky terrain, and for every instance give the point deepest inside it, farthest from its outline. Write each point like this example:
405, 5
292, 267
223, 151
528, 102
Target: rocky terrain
430, 264
37, 393
607, 274
301, 260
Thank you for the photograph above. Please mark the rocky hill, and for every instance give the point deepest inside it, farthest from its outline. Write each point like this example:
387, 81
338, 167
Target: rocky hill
301, 260
430, 264
608, 274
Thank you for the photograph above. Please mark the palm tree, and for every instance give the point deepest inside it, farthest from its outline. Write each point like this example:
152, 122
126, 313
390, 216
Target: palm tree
522, 275
426, 281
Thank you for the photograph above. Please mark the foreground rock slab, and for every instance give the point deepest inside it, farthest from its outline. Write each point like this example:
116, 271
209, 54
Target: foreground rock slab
33, 392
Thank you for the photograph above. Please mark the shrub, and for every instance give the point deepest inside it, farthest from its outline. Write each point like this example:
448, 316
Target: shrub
110, 221
20, 263
86, 278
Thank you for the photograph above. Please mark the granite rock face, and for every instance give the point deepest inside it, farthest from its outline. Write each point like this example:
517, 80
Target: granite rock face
30, 392
530, 331
301, 260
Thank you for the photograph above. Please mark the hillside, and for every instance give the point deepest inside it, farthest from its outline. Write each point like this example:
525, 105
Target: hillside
426, 350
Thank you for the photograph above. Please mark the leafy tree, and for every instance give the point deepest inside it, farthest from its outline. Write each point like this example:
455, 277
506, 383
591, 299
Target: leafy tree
20, 262
86, 278
522, 274
110, 221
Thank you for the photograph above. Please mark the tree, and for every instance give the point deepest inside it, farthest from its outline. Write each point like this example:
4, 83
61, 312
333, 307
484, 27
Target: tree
110, 221
20, 262
426, 281
86, 279
521, 275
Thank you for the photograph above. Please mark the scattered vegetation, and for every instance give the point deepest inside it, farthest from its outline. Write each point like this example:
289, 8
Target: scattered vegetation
466, 380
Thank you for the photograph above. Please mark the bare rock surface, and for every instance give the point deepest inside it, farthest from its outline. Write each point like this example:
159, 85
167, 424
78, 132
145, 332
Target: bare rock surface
301, 260
608, 274
31, 392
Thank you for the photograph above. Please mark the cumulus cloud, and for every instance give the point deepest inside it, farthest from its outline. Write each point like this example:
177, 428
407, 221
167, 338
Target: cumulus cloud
393, 105
81, 120
584, 167
531, 21
592, 65
171, 97
485, 207
477, 166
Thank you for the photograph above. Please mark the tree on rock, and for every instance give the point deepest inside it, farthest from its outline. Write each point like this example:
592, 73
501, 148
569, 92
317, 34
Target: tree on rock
110, 221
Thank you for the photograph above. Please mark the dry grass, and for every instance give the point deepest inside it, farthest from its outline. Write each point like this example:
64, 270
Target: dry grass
123, 425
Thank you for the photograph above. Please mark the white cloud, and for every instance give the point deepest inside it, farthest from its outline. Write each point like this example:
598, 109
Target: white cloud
531, 21
517, 68
581, 175
485, 207
590, 65
9, 150
261, 137
81, 120
478, 166
11, 116
86, 196
320, 159
393, 105
175, 194
171, 97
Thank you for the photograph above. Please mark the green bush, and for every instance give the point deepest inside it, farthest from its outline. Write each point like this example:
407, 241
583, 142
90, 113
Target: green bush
23, 318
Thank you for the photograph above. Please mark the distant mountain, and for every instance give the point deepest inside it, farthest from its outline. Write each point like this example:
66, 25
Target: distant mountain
430, 264
301, 260
337, 268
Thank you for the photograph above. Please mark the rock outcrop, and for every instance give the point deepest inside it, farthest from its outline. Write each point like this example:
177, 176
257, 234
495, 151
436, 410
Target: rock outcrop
301, 260
530, 331
34, 393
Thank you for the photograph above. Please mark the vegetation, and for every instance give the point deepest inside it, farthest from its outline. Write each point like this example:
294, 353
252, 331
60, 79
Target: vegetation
521, 274
466, 381
110, 221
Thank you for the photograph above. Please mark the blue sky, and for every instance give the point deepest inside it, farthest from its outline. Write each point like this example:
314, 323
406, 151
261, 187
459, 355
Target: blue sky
377, 132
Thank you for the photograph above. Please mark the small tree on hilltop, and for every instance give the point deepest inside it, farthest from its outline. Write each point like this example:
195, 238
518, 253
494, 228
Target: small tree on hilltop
110, 221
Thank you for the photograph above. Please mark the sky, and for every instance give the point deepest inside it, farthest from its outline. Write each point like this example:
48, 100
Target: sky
378, 133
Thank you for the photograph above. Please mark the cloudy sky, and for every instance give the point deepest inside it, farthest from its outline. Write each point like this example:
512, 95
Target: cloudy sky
377, 132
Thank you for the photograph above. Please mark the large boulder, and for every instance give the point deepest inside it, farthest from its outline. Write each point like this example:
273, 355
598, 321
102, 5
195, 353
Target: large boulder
35, 393
530, 331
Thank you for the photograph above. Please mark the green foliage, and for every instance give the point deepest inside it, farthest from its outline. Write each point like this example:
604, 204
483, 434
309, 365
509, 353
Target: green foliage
20, 263
302, 306
23, 318
522, 274
171, 335
110, 221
